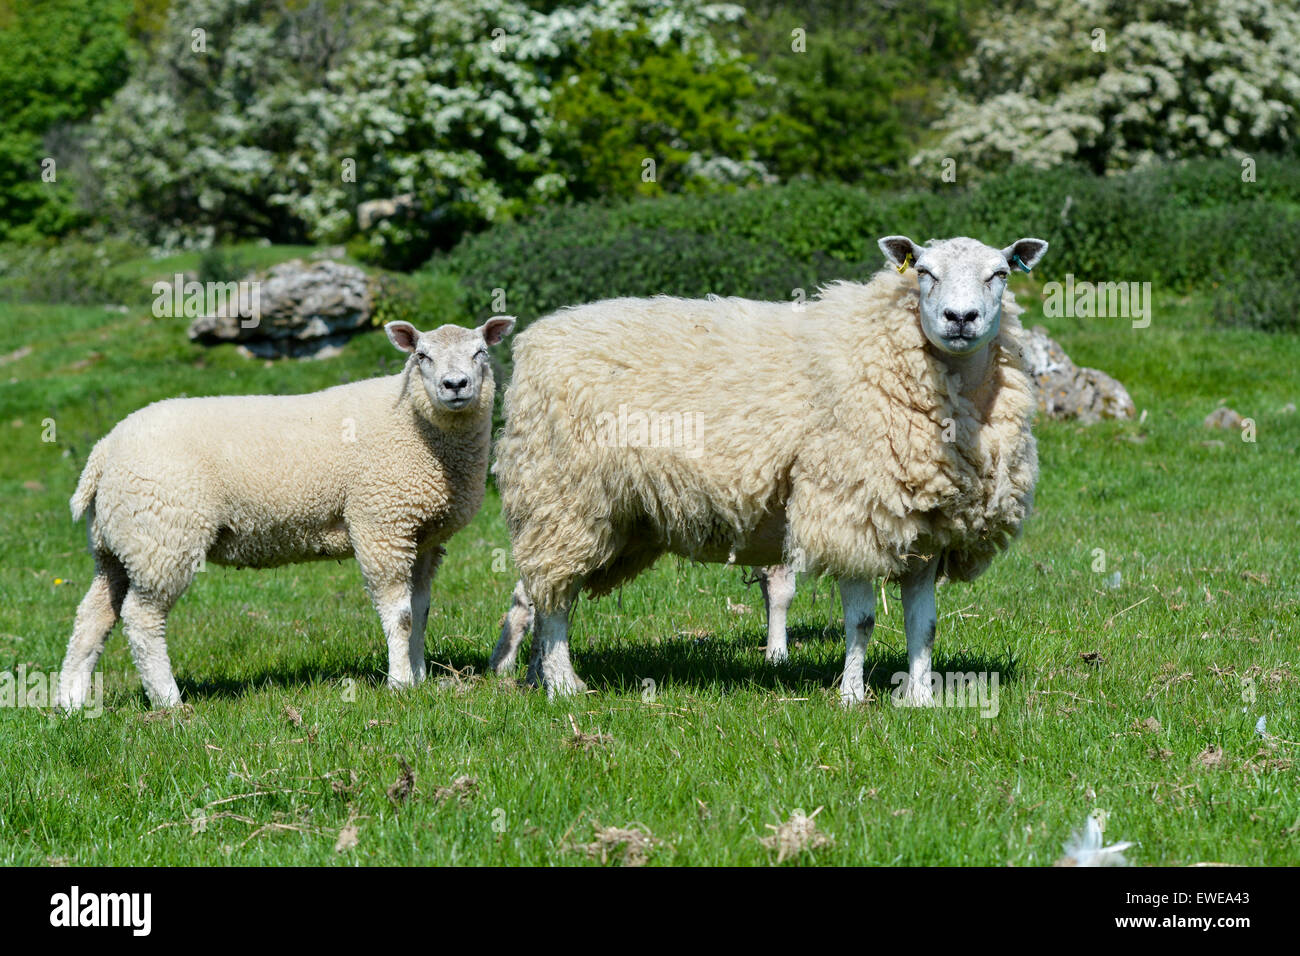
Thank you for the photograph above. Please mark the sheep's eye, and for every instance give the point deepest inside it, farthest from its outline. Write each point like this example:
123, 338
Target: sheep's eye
481, 354
925, 272
998, 275
421, 357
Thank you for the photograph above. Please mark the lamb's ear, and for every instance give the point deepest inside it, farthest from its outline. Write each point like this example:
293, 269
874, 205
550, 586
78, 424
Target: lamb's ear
900, 251
1024, 254
403, 334
497, 328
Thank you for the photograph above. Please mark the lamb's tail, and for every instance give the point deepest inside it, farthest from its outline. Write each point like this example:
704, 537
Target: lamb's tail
89, 483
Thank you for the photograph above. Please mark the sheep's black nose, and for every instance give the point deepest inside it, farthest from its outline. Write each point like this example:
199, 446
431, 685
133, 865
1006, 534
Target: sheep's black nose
454, 383
961, 318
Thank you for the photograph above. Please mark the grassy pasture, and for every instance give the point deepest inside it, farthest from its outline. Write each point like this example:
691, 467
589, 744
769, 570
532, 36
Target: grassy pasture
1139, 699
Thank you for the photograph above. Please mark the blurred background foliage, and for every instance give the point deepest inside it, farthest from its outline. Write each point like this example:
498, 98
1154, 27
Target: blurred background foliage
565, 151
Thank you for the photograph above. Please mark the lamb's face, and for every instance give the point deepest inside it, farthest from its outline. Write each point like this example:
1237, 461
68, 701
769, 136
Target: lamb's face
452, 360
961, 282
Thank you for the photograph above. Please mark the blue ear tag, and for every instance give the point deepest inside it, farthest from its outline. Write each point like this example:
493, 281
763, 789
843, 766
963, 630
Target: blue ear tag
907, 261
1016, 261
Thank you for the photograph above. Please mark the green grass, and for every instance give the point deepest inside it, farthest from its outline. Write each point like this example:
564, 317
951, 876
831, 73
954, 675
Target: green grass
1205, 539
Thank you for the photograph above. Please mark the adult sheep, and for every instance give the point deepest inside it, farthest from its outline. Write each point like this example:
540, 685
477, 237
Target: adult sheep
880, 430
386, 469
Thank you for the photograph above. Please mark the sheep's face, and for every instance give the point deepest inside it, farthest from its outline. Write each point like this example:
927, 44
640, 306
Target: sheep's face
452, 360
961, 282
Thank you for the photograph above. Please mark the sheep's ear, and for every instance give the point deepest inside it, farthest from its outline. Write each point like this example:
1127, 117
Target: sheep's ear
1024, 254
403, 334
497, 328
900, 251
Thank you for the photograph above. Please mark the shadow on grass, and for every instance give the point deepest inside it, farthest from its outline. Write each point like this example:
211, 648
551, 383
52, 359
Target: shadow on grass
365, 671
702, 666
702, 663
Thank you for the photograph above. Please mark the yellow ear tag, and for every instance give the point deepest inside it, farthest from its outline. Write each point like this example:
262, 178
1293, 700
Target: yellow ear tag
907, 261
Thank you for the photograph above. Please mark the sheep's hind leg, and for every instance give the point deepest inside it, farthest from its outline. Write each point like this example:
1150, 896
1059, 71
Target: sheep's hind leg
859, 600
144, 617
777, 583
550, 665
96, 615
919, 622
518, 621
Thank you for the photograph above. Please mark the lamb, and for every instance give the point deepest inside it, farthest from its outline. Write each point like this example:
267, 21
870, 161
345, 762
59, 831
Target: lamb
777, 584
386, 469
883, 430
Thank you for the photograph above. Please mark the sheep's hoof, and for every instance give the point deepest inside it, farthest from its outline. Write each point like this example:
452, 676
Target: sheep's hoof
776, 655
916, 695
566, 686
852, 694
502, 666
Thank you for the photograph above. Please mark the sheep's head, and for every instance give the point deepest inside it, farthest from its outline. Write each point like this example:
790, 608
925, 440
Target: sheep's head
452, 360
961, 283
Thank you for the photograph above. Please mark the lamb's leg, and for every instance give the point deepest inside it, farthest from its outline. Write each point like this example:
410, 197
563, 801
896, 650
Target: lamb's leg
519, 620
96, 615
777, 583
144, 617
859, 600
390, 580
919, 621
421, 580
551, 665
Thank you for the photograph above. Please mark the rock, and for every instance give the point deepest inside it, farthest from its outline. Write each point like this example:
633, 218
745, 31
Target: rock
1066, 391
1223, 417
371, 212
304, 310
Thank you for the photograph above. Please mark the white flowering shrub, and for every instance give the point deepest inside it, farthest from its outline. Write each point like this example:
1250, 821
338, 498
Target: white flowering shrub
277, 118
450, 102
1117, 84
217, 130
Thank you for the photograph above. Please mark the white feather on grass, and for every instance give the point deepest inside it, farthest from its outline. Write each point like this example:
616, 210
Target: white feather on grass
1084, 848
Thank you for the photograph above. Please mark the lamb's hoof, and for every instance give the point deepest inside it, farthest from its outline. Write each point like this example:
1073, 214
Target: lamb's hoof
502, 666
70, 699
776, 655
852, 693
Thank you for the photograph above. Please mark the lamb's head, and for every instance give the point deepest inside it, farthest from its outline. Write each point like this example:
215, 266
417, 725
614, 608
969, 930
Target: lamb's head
452, 360
961, 283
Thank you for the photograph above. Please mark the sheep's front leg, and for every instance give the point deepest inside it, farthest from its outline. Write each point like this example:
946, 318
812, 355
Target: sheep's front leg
421, 582
551, 666
859, 600
919, 622
777, 583
518, 621
390, 578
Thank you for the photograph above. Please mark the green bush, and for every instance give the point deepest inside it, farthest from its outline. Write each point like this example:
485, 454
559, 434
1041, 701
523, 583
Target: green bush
58, 60
1180, 228
627, 100
585, 253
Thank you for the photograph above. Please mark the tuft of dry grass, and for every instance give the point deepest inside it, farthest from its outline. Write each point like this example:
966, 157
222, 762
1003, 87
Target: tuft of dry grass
633, 844
797, 835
